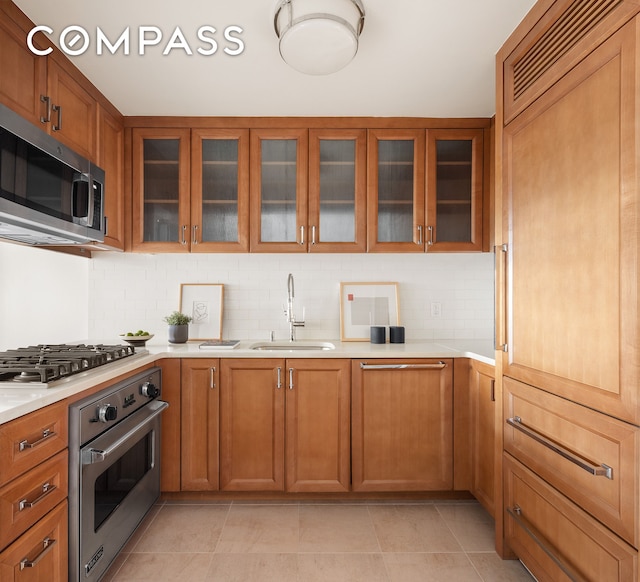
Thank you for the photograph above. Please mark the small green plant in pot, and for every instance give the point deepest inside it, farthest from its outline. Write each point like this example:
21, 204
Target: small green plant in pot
178, 327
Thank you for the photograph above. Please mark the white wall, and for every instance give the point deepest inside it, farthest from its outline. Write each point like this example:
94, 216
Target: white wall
133, 291
43, 296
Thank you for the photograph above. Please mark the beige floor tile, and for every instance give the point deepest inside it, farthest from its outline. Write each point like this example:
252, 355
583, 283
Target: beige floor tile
184, 528
416, 567
329, 528
253, 568
341, 568
260, 529
150, 567
472, 526
493, 569
412, 528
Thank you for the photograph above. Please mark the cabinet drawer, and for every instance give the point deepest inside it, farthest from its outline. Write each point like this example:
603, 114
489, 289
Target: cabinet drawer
31, 439
26, 499
39, 555
554, 538
588, 456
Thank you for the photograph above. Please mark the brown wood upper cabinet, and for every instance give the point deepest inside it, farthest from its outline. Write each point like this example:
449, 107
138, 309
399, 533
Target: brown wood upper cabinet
308, 190
425, 190
190, 190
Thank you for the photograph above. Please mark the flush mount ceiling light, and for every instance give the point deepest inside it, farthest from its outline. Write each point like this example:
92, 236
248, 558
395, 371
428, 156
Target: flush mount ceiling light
318, 37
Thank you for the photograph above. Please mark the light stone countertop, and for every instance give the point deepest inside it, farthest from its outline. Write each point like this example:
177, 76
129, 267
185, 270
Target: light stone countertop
15, 402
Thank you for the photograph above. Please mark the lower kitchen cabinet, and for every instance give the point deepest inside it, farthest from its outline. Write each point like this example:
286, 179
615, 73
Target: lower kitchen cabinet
402, 422
200, 400
276, 409
483, 431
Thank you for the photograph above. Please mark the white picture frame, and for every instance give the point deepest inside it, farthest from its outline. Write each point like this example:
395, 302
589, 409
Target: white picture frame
365, 304
203, 303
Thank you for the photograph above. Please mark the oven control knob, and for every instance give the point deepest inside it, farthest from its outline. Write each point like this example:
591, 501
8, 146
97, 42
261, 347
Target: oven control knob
107, 413
150, 390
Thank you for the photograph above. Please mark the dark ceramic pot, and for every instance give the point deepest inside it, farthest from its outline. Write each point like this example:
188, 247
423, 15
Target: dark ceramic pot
178, 334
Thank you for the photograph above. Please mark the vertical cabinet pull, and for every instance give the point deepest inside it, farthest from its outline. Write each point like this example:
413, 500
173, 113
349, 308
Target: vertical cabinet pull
313, 234
184, 230
501, 296
279, 382
47, 115
430, 240
194, 236
47, 544
290, 378
419, 235
47, 433
58, 110
301, 235
212, 377
493, 390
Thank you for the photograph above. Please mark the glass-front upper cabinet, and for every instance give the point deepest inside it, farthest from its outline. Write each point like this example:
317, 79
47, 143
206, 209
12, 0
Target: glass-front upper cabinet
396, 190
160, 190
337, 190
278, 184
454, 190
219, 190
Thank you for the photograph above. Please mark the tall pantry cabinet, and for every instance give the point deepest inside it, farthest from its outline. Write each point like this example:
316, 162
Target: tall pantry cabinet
568, 364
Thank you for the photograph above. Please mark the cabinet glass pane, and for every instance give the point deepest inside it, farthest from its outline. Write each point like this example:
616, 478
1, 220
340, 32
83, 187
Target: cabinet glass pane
219, 190
395, 190
337, 190
453, 190
161, 189
278, 188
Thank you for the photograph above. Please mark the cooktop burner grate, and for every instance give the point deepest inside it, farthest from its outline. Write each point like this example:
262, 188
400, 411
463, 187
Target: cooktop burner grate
47, 362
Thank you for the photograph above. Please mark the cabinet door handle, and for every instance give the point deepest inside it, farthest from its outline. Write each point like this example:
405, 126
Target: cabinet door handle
313, 234
438, 366
430, 240
47, 433
543, 543
290, 378
47, 544
47, 116
301, 235
58, 110
501, 296
47, 488
212, 377
420, 242
596, 470
493, 390
184, 238
279, 381
194, 236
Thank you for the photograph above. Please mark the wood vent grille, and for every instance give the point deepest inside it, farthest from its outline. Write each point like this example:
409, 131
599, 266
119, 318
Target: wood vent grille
574, 24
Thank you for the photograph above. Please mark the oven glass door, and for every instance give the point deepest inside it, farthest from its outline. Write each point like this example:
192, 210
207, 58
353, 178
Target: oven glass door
119, 482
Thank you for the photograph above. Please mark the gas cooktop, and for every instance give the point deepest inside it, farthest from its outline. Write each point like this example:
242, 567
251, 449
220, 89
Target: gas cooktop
45, 363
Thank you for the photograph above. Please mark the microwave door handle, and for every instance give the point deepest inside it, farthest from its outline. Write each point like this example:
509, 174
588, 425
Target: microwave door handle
91, 455
75, 192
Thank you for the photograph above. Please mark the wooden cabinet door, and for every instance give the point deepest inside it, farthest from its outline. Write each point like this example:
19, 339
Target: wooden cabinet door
483, 433
454, 190
402, 425
318, 425
278, 183
200, 413
337, 190
219, 190
161, 203
111, 160
252, 393
571, 201
24, 74
74, 110
396, 190
41, 554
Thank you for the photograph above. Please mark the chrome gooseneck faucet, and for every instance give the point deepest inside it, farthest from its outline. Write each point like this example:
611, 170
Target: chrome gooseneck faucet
289, 313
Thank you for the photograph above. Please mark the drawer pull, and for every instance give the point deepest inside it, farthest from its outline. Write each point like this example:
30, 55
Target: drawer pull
47, 433
543, 543
438, 366
47, 543
46, 489
596, 470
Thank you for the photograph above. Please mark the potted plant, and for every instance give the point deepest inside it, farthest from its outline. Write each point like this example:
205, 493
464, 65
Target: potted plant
178, 327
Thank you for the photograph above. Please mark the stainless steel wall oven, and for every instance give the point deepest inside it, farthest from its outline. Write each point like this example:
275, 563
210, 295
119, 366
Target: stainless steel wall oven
114, 474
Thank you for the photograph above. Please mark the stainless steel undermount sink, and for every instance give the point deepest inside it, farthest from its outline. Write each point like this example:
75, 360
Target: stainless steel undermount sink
287, 346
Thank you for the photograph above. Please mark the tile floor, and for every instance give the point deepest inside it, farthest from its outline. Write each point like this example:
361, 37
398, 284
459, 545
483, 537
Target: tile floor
313, 542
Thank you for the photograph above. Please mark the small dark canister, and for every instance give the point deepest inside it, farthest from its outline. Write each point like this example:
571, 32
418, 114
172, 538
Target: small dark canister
396, 334
378, 334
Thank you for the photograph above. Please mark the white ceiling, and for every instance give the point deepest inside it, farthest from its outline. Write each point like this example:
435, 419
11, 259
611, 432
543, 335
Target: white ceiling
422, 58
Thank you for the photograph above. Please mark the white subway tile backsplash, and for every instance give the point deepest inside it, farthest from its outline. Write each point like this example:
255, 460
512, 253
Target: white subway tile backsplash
137, 290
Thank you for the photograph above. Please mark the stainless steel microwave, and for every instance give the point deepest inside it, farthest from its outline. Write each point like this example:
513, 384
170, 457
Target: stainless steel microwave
49, 195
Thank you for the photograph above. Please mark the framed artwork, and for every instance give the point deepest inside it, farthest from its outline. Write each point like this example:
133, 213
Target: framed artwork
365, 304
203, 303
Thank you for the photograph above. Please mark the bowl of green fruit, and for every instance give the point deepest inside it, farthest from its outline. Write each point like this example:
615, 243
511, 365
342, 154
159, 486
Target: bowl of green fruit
136, 338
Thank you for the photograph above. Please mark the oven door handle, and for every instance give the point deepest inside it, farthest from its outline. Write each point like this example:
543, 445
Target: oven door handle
91, 456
